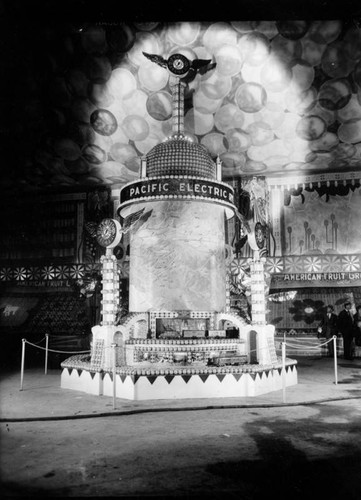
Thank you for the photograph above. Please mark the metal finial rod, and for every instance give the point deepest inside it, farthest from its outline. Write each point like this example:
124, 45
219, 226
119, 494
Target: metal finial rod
182, 71
178, 107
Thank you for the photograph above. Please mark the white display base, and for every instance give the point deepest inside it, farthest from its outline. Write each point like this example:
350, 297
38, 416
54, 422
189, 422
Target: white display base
138, 387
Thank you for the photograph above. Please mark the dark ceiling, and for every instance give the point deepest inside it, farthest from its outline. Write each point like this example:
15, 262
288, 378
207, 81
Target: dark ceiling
66, 64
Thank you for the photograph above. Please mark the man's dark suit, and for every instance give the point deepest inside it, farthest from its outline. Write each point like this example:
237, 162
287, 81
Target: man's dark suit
345, 326
329, 329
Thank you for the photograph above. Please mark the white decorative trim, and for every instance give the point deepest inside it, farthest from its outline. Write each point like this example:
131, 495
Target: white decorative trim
214, 383
291, 182
206, 179
163, 197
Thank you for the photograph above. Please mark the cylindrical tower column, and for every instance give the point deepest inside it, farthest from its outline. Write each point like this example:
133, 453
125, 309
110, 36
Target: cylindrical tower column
178, 247
258, 296
177, 258
177, 250
110, 289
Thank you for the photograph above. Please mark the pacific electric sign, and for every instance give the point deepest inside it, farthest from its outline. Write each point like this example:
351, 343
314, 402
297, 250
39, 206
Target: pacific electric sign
176, 188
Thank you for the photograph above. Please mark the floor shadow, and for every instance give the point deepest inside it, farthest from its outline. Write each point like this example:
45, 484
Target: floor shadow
285, 471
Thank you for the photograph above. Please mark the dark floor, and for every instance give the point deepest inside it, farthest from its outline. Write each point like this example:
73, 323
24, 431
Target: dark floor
299, 452
61, 443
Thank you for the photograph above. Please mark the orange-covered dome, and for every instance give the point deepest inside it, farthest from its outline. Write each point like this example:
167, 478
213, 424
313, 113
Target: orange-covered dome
180, 156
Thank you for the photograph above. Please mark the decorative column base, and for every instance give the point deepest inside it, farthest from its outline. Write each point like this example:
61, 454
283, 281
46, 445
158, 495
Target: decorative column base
101, 355
258, 296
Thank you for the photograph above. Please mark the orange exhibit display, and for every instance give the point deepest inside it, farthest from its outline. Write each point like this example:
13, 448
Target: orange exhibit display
177, 243
177, 258
177, 210
180, 337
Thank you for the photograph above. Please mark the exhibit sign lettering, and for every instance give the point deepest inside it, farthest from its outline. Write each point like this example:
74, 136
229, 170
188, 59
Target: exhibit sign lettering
321, 276
177, 187
316, 279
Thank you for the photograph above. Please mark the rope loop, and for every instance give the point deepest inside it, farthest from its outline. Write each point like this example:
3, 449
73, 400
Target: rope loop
53, 350
308, 346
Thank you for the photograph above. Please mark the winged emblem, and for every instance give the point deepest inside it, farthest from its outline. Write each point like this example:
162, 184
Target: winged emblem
181, 66
135, 220
198, 66
157, 59
131, 222
203, 65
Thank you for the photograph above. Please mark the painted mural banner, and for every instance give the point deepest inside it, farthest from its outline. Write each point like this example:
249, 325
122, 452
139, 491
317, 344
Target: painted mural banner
303, 280
253, 205
324, 220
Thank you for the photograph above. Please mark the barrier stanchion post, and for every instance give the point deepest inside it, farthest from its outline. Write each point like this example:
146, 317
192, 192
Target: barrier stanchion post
22, 364
284, 371
46, 352
334, 340
114, 374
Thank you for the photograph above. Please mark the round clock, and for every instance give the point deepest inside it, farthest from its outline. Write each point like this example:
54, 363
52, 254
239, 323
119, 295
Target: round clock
109, 233
178, 64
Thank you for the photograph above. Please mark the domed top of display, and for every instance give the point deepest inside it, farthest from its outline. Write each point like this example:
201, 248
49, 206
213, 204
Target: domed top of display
180, 155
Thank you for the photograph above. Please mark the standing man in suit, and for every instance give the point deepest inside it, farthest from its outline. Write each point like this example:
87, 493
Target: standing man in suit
357, 325
328, 328
345, 326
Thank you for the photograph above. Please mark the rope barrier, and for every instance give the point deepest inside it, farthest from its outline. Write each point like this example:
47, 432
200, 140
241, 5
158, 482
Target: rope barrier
40, 341
114, 346
250, 351
309, 346
47, 350
295, 339
53, 350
